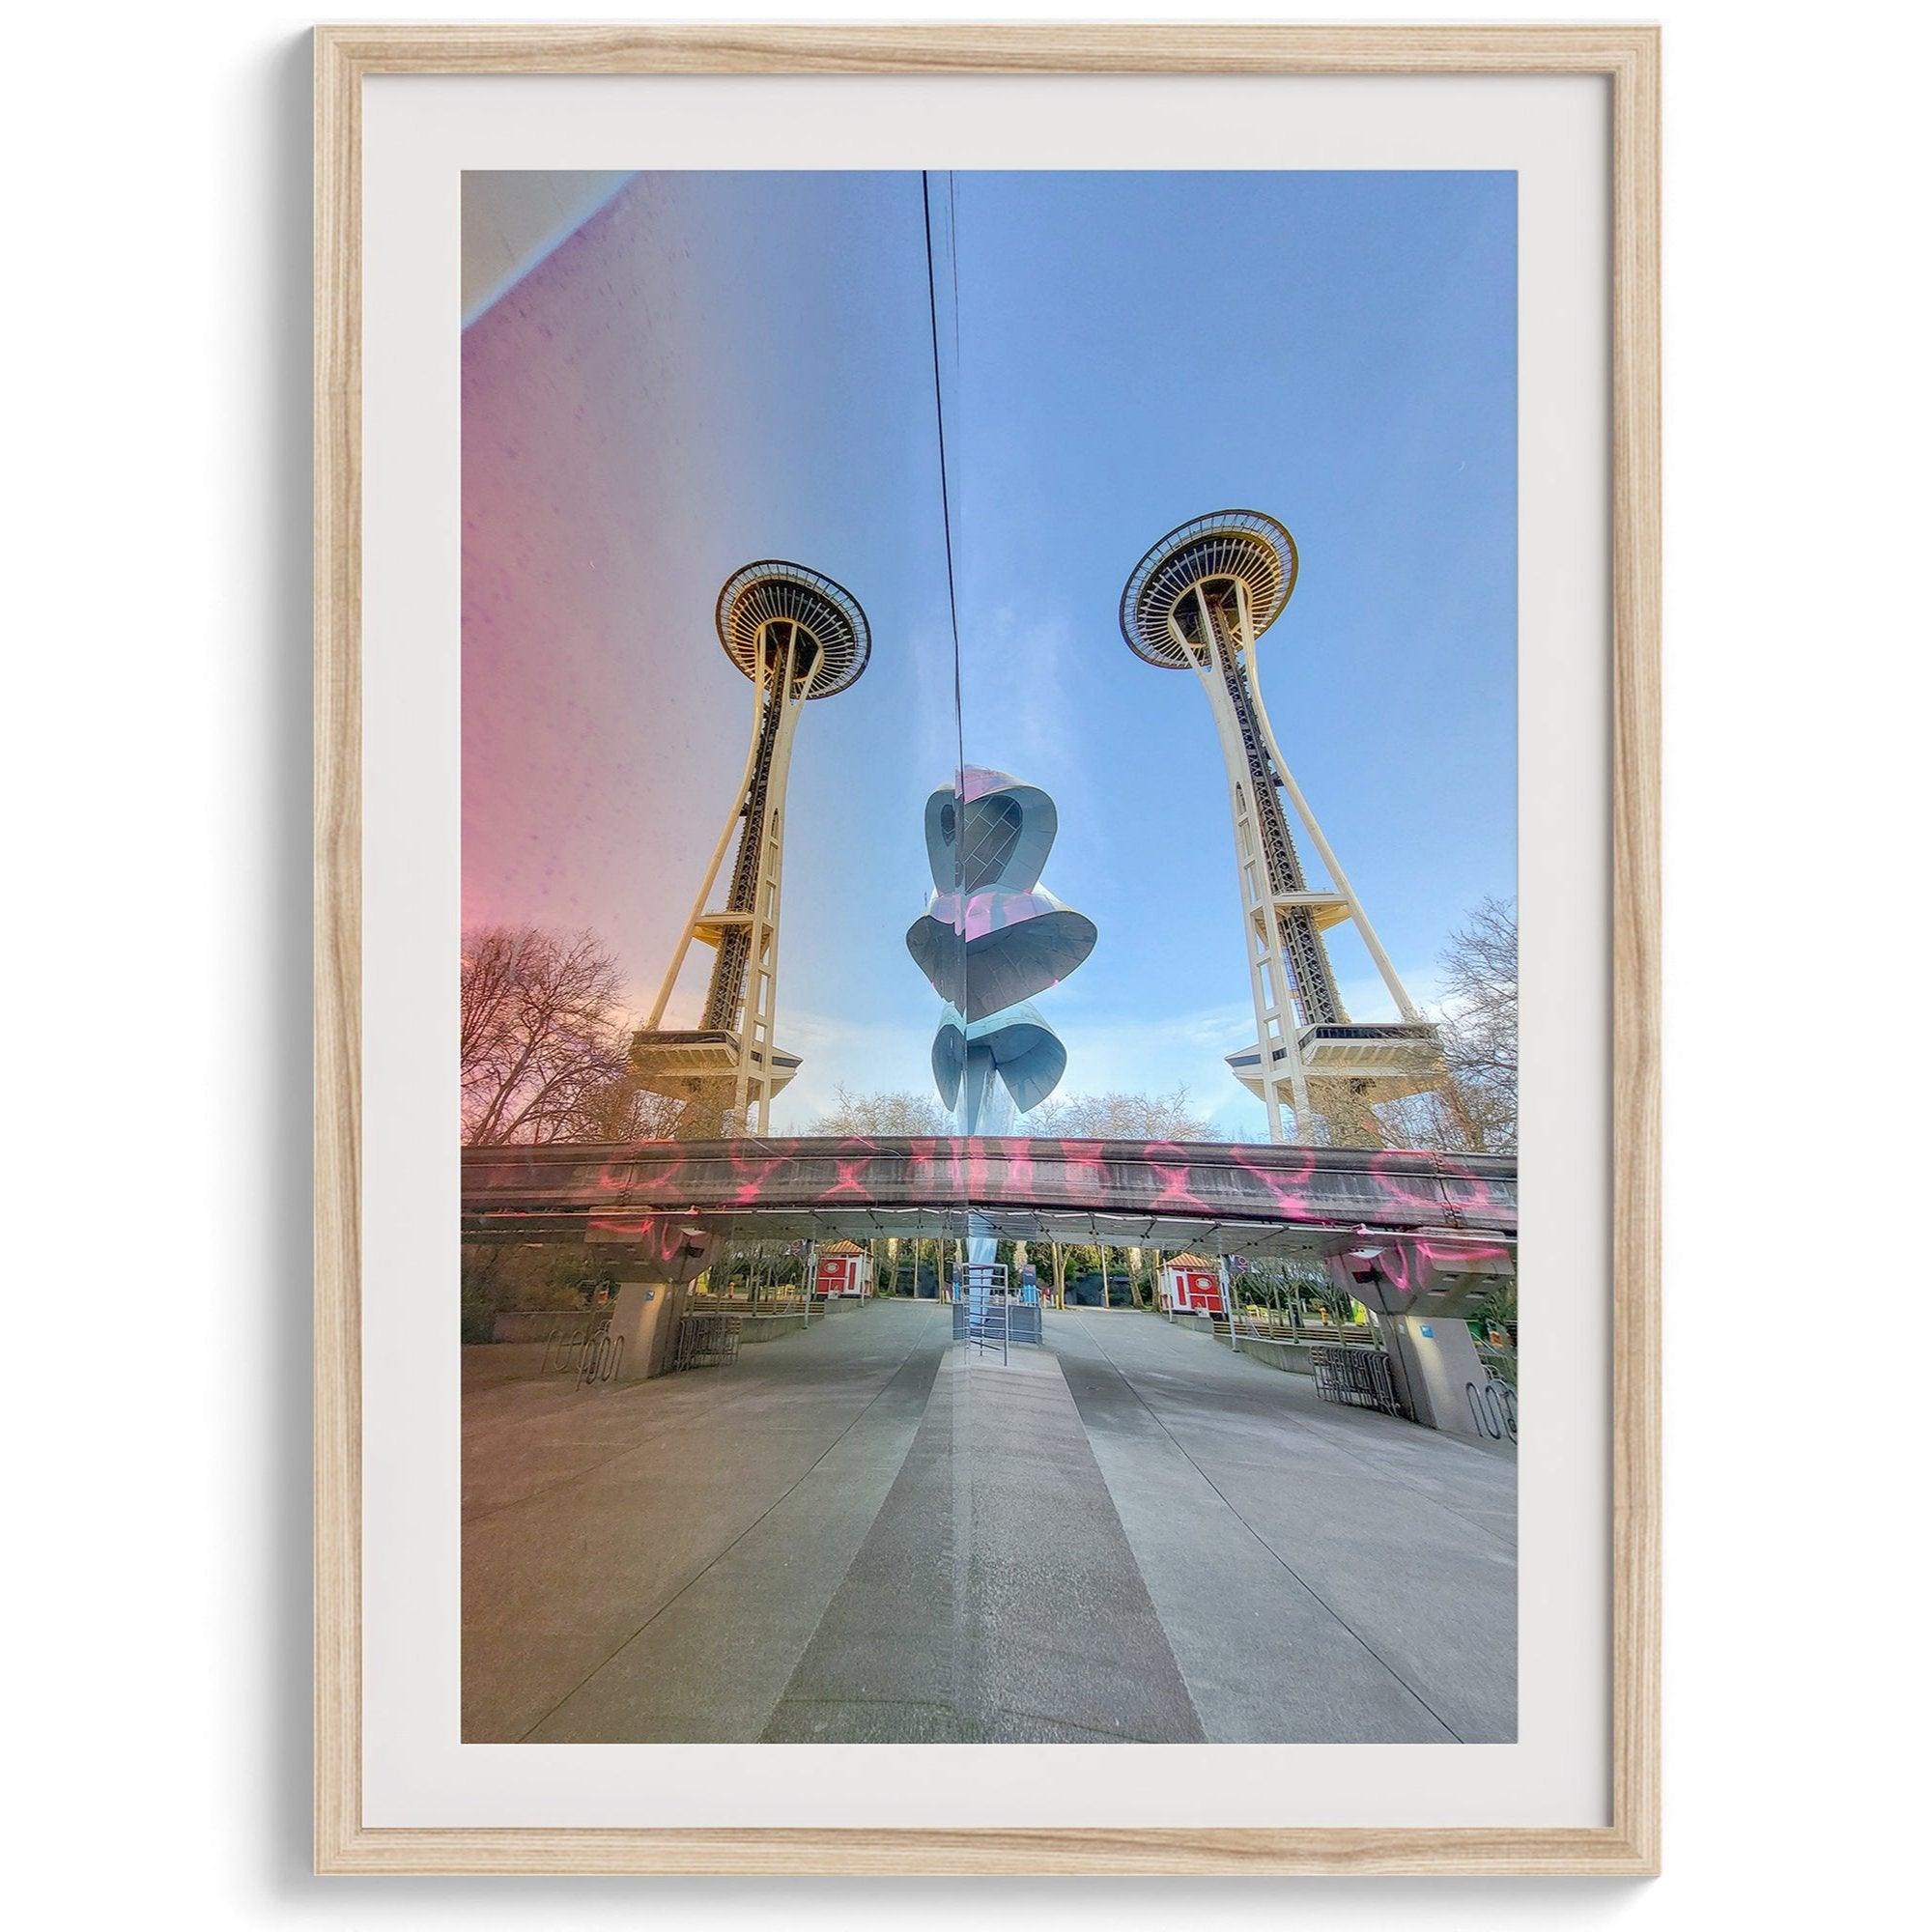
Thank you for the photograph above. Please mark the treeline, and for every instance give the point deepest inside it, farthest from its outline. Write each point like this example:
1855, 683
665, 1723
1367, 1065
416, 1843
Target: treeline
545, 1055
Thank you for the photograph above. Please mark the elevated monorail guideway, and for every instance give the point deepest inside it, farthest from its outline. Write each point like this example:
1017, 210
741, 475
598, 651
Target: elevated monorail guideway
1439, 1222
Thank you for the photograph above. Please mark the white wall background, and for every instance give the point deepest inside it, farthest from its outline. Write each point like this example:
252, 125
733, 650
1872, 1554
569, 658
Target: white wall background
157, 791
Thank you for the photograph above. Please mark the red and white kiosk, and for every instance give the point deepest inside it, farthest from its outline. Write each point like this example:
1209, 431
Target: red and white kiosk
843, 1269
1193, 1285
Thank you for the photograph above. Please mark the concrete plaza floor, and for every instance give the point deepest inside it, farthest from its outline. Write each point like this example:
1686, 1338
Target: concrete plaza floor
864, 1533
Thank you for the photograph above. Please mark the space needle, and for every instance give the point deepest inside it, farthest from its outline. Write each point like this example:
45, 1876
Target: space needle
796, 635
1199, 601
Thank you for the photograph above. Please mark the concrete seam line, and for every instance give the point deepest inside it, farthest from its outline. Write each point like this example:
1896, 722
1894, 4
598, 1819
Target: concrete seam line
965, 1712
700, 1573
1300, 1579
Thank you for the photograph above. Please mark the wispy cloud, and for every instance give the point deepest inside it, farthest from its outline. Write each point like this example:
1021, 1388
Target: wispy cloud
868, 1057
1156, 1053
1153, 1053
1018, 708
934, 723
1367, 998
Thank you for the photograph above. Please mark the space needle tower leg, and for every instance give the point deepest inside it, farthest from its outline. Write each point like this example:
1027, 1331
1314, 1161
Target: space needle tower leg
1280, 1006
734, 819
752, 1101
796, 635
1371, 939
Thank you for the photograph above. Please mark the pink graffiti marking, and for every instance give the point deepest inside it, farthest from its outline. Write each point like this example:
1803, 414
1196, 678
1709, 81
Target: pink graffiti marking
623, 1177
1016, 1156
1174, 1177
1086, 1171
1410, 1264
755, 1173
935, 1168
849, 1169
1460, 1188
1285, 1188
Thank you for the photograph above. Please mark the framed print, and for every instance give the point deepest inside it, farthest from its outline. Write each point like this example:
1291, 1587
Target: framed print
1124, 560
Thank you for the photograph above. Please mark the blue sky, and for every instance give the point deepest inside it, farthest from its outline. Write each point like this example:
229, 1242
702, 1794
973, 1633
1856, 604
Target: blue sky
741, 364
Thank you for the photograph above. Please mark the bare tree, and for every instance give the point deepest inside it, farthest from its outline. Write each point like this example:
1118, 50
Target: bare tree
1351, 1119
1118, 1117
907, 1114
542, 1035
624, 1111
1479, 1023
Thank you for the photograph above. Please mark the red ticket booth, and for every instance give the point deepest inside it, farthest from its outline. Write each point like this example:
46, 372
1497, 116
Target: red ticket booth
1191, 1285
843, 1269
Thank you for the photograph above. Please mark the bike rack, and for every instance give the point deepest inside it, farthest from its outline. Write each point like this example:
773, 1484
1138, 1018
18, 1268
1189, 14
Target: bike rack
603, 1357
1492, 1407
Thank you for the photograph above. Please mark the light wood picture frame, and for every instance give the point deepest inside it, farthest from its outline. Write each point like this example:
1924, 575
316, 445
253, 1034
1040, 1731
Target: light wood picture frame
1628, 57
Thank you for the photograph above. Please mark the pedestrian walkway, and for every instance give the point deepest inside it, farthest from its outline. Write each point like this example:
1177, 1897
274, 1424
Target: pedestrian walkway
864, 1533
1322, 1573
1033, 1622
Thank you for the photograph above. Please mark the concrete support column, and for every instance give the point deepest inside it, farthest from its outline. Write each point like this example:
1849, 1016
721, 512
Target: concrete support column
645, 1318
1433, 1357
1436, 1358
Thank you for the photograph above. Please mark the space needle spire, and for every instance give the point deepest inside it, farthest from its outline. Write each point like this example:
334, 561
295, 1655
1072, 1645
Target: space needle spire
796, 635
1199, 601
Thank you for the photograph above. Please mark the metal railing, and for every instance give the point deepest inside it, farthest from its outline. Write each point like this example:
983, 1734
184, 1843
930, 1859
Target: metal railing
706, 1340
1499, 1361
757, 1304
1354, 1377
981, 1297
1284, 1324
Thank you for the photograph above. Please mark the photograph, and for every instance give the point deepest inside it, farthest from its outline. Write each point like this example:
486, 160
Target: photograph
949, 998
989, 1170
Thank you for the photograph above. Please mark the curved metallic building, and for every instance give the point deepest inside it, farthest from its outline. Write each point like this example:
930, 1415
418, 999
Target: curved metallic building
796, 635
1199, 601
991, 939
